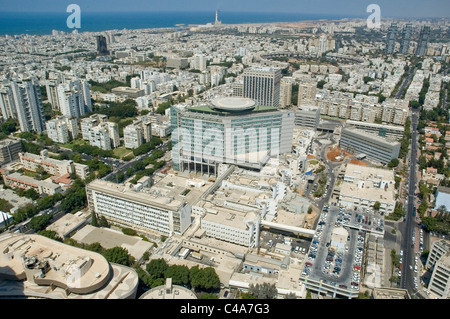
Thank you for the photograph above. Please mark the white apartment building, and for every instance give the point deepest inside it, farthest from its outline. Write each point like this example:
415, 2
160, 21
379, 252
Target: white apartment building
438, 249
286, 91
199, 62
57, 131
22, 100
90, 122
134, 135
164, 208
99, 137
62, 129
99, 132
73, 98
52, 166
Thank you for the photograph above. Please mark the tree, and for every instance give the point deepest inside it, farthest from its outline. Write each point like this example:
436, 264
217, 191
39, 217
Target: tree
117, 255
205, 278
377, 205
393, 163
320, 84
178, 273
5, 206
157, 267
263, 291
103, 222
39, 222
9, 126
94, 221
50, 234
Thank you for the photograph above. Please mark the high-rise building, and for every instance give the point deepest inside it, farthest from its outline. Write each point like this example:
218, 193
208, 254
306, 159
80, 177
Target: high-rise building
406, 38
391, 38
9, 150
22, 100
422, 45
71, 102
134, 135
57, 131
263, 85
306, 93
199, 62
230, 130
52, 93
286, 91
102, 47
439, 284
376, 148
62, 129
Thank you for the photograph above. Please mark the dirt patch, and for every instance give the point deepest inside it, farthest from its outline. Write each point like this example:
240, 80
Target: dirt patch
332, 153
358, 162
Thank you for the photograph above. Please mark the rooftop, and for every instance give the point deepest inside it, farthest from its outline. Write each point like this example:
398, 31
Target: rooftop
227, 109
171, 192
233, 104
39, 262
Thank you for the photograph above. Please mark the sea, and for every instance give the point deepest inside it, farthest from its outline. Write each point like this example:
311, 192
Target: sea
40, 23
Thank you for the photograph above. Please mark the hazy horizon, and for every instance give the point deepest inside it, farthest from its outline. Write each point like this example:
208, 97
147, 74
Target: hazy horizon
389, 8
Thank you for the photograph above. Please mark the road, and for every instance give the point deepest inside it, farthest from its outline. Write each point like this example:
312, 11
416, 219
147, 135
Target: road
124, 166
408, 226
405, 83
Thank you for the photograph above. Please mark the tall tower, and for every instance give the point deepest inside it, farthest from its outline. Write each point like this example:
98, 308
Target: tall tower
25, 104
102, 48
422, 46
263, 85
406, 39
217, 22
391, 38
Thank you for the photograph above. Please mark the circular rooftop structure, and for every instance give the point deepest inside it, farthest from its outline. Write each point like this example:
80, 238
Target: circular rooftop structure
233, 104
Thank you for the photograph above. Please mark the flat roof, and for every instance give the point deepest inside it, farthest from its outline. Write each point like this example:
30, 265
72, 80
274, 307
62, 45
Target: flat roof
233, 104
63, 260
215, 111
170, 192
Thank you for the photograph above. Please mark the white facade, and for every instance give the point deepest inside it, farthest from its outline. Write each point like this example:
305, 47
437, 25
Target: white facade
57, 131
22, 101
124, 206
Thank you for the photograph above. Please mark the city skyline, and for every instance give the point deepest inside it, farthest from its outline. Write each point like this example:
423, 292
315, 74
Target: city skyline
249, 153
399, 9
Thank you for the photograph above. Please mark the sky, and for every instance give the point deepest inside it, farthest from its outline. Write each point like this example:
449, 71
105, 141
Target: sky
389, 8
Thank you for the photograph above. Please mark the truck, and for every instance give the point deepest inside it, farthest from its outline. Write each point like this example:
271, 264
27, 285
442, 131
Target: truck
197, 255
184, 253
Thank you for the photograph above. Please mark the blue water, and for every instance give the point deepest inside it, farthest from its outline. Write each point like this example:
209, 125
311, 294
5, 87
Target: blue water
38, 23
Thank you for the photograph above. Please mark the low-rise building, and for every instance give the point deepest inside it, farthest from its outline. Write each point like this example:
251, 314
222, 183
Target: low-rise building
33, 162
62, 129
307, 116
17, 180
363, 186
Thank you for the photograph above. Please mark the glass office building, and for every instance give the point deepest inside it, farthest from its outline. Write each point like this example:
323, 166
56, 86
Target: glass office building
229, 130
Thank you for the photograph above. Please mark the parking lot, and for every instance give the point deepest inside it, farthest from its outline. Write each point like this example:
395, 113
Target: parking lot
299, 247
340, 268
